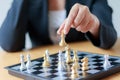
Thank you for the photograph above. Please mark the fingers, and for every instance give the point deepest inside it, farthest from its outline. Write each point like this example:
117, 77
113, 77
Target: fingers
85, 21
79, 18
73, 13
59, 31
85, 28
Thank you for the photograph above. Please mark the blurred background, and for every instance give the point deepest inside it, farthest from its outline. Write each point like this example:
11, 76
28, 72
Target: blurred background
5, 5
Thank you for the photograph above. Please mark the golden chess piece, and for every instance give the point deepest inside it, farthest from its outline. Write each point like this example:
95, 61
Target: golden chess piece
76, 64
68, 57
62, 42
84, 73
74, 74
75, 57
46, 62
84, 63
68, 60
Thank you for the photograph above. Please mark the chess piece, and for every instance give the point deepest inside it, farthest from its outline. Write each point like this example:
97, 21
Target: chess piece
68, 68
67, 50
46, 62
45, 70
48, 56
67, 54
106, 64
29, 63
84, 73
61, 64
75, 56
62, 42
84, 63
76, 64
22, 67
74, 74
75, 60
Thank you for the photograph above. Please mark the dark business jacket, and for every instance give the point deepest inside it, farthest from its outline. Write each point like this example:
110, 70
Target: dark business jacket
32, 16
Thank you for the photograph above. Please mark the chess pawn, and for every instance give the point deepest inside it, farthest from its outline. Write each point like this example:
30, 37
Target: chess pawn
84, 73
84, 63
46, 62
68, 60
75, 56
74, 74
67, 55
22, 67
106, 64
48, 56
28, 64
67, 50
61, 64
62, 42
85, 66
76, 64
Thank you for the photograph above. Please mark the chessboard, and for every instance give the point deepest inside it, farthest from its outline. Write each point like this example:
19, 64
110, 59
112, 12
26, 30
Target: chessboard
95, 68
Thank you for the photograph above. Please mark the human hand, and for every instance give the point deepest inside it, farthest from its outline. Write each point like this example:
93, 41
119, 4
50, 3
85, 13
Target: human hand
81, 19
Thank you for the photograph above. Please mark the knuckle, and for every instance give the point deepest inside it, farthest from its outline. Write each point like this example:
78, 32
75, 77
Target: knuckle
72, 15
76, 4
78, 28
85, 8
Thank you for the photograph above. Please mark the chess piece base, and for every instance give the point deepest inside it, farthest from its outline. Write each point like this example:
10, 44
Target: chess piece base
73, 76
46, 64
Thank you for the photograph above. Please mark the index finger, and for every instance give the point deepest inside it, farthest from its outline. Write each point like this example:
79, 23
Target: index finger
60, 30
73, 13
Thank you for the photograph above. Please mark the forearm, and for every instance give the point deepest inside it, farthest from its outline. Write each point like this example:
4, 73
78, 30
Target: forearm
13, 29
96, 26
107, 34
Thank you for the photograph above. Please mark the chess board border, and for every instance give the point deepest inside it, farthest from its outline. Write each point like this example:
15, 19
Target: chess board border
97, 76
23, 75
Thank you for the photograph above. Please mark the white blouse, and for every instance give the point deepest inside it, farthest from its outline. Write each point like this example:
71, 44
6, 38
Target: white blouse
56, 18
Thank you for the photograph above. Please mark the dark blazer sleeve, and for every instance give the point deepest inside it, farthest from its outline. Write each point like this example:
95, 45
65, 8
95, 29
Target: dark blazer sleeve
107, 33
13, 29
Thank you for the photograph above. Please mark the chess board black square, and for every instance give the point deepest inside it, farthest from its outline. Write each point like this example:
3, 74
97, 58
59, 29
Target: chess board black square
95, 71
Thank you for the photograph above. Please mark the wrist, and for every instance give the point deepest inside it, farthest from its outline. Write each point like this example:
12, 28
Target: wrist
95, 28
